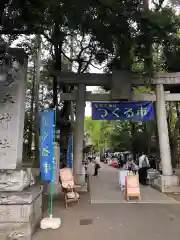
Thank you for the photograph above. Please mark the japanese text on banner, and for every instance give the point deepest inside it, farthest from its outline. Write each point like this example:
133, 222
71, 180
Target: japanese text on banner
136, 111
46, 144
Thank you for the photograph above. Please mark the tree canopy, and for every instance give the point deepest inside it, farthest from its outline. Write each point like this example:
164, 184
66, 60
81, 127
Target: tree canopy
123, 31
116, 34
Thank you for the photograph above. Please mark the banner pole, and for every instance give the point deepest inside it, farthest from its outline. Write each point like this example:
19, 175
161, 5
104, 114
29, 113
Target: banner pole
52, 223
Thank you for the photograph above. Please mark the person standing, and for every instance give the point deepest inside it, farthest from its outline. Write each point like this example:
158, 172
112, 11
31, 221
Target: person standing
152, 162
96, 168
143, 167
90, 167
131, 166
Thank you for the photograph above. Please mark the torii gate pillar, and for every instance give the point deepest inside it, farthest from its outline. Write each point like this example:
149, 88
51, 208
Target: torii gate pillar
78, 143
167, 182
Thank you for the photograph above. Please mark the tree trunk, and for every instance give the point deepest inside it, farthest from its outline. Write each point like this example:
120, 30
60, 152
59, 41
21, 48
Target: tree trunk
42, 94
133, 132
38, 65
30, 132
157, 135
177, 129
148, 61
58, 42
146, 4
172, 140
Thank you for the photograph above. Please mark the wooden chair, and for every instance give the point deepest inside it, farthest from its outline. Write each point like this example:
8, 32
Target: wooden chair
68, 186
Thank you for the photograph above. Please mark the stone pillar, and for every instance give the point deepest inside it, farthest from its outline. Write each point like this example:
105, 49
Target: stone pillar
167, 182
164, 146
20, 202
78, 140
12, 113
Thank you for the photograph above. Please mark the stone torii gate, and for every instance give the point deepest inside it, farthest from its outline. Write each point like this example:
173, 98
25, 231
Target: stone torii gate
121, 83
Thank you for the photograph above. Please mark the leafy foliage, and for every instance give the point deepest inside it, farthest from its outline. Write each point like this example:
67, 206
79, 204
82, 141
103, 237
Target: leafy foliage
120, 135
116, 34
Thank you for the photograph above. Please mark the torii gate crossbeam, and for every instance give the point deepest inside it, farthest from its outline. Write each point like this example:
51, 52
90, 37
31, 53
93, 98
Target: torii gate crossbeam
90, 97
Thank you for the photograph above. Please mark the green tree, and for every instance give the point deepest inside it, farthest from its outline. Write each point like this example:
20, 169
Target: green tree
99, 132
121, 34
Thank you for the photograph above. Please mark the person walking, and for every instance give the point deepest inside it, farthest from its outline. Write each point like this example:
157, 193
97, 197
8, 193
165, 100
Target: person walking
96, 168
143, 167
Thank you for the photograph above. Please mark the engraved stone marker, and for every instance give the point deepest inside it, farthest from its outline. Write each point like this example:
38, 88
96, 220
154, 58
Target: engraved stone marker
12, 111
20, 203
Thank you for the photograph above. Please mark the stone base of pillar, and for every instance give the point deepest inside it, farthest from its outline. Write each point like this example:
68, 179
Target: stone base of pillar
20, 213
79, 179
81, 183
15, 180
167, 184
82, 188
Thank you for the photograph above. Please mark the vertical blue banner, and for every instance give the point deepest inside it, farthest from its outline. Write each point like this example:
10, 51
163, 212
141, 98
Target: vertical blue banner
46, 144
70, 152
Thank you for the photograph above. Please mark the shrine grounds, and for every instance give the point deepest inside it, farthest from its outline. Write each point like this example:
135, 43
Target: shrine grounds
102, 214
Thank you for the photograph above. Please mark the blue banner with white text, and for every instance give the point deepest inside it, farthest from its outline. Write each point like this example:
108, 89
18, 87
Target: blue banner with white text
70, 152
135, 111
46, 144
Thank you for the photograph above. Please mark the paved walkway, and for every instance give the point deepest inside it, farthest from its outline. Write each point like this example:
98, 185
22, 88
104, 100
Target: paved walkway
105, 189
115, 221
